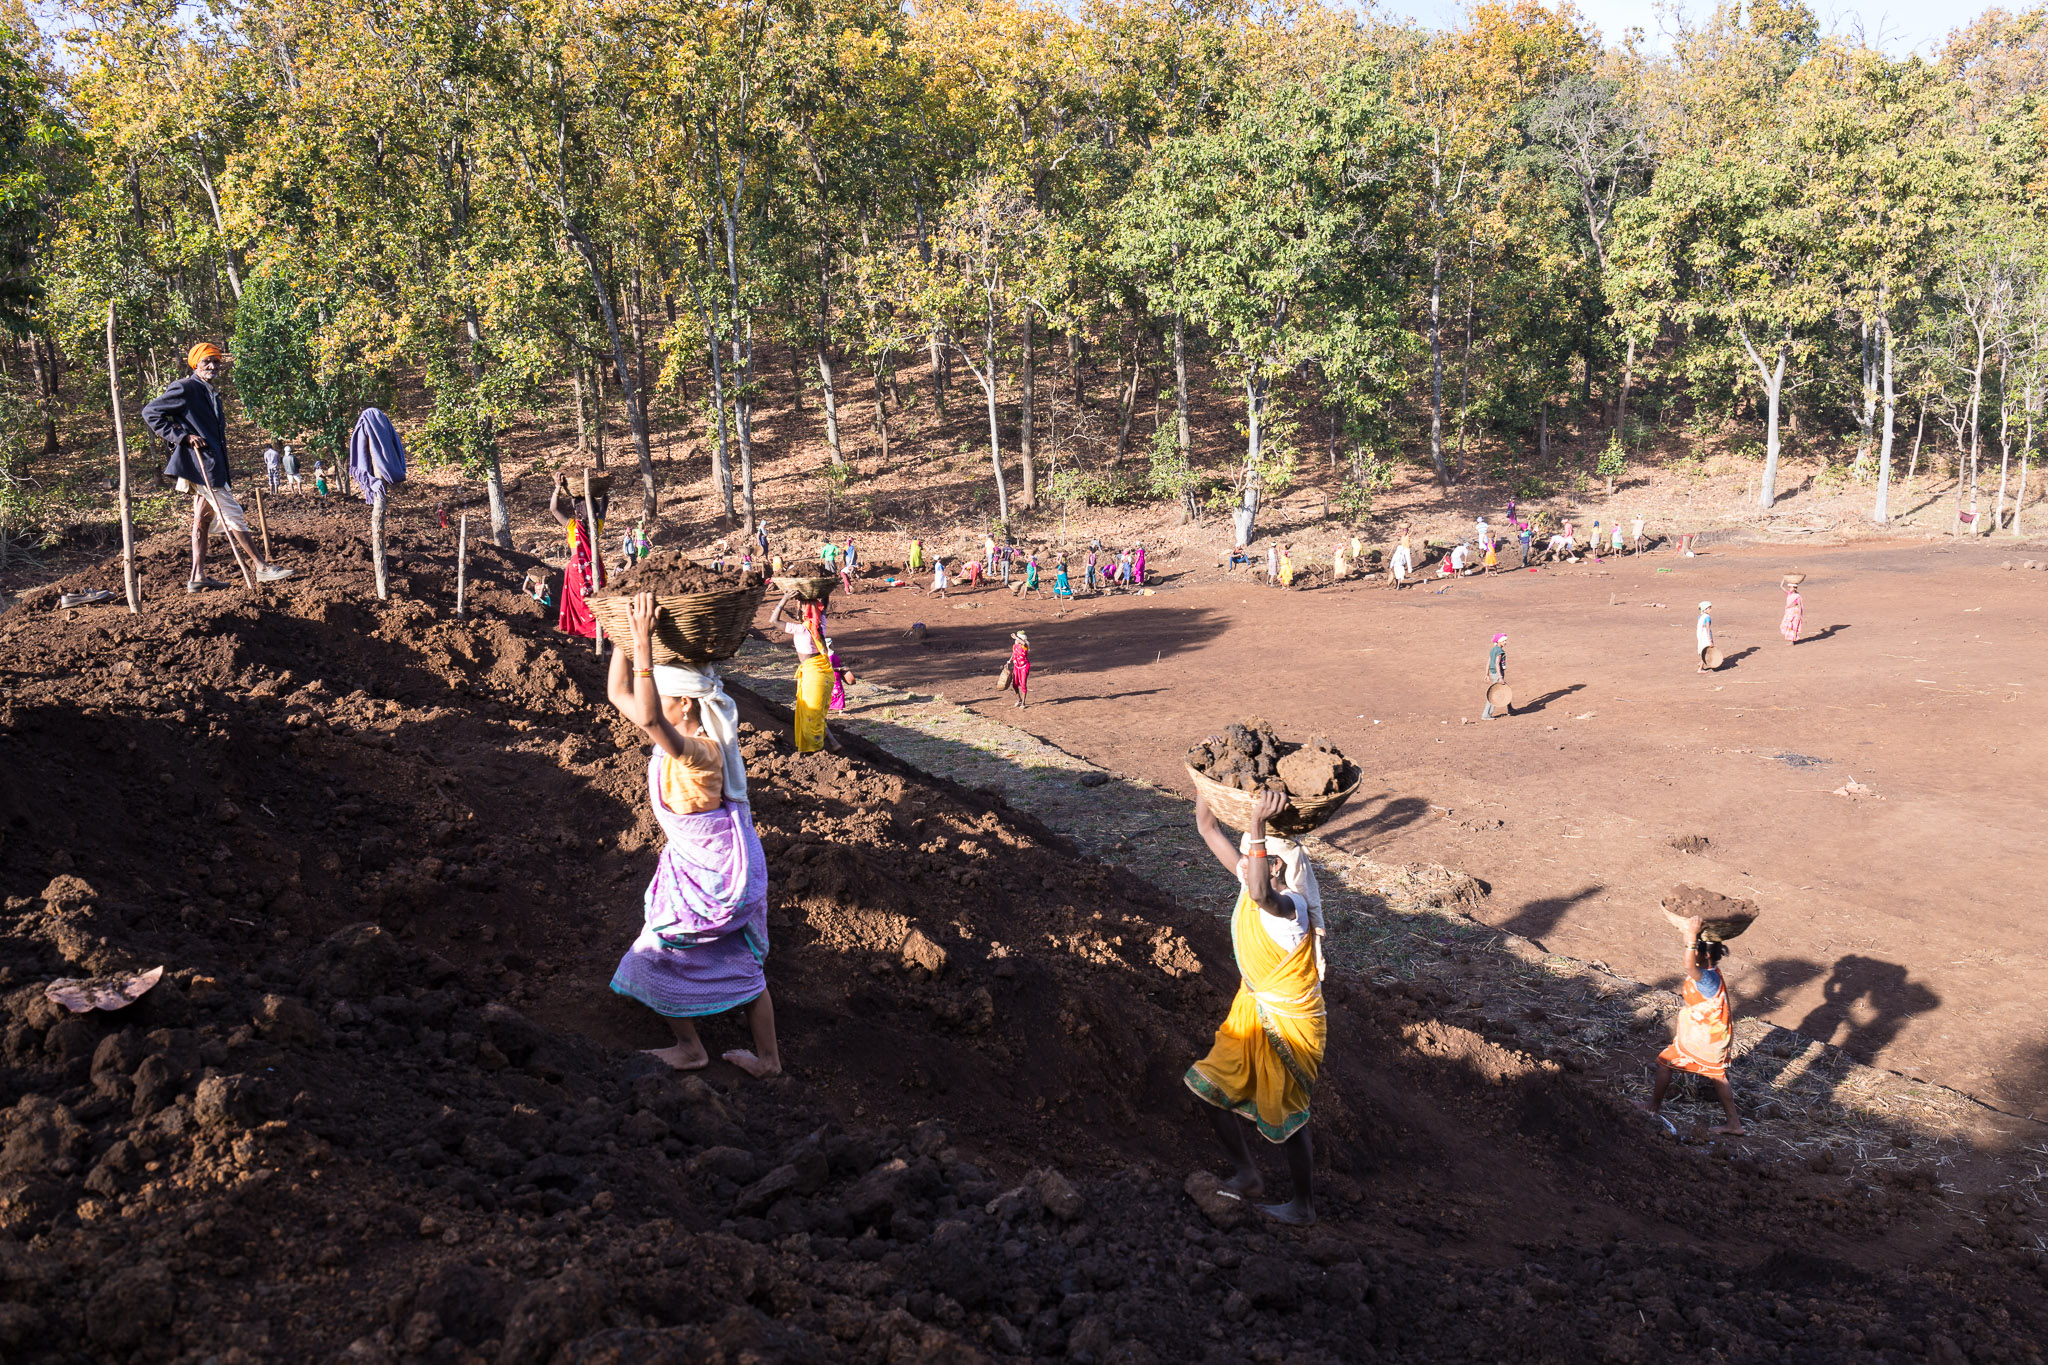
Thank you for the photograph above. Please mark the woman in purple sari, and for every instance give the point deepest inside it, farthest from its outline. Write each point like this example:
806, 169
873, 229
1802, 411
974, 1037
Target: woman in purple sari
704, 934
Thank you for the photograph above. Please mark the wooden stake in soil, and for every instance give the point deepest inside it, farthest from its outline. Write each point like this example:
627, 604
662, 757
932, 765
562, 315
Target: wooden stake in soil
461, 562
121, 451
377, 544
596, 559
263, 523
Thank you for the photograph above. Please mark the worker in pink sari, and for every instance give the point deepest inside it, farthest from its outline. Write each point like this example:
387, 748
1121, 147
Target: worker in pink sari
1138, 564
1020, 665
1795, 611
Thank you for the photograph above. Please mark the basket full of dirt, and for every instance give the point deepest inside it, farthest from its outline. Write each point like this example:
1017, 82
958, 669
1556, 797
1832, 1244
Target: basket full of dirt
1721, 917
815, 588
1230, 770
704, 612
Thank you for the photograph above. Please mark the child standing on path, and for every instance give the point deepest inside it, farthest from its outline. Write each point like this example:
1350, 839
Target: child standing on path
1703, 633
1706, 1026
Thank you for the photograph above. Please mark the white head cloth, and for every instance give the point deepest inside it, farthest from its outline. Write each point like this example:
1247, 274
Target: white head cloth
715, 712
1297, 873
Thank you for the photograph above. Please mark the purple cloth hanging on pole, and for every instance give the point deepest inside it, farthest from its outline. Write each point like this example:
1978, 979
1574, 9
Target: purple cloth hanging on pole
376, 457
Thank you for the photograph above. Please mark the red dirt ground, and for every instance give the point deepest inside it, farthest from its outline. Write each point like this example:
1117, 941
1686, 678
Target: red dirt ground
1901, 923
381, 1106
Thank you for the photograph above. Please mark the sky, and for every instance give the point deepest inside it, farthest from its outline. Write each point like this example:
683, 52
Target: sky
1901, 26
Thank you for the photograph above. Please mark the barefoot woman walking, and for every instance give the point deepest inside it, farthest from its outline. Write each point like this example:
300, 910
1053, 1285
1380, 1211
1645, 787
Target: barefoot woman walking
1263, 1066
704, 934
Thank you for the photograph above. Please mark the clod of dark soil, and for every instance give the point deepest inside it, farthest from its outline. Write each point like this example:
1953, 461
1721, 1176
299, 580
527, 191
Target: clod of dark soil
1248, 756
1721, 917
671, 573
1691, 843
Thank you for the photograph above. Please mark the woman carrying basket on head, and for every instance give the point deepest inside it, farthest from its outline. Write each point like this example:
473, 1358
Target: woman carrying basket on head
704, 928
1016, 675
584, 574
1795, 611
813, 675
1269, 1051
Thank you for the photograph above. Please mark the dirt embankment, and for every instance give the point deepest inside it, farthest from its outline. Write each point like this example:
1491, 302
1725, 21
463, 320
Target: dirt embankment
382, 1107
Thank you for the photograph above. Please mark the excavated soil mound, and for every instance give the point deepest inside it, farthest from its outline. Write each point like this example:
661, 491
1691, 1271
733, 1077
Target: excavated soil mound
673, 573
381, 1106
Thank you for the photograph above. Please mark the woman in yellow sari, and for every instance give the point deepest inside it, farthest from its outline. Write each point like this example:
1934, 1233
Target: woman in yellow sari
813, 675
1263, 1066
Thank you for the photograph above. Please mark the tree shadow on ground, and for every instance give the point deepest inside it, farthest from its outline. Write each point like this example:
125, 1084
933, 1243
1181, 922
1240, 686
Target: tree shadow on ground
1539, 917
1535, 704
954, 650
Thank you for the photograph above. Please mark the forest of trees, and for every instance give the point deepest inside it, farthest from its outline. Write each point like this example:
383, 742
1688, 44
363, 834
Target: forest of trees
1390, 242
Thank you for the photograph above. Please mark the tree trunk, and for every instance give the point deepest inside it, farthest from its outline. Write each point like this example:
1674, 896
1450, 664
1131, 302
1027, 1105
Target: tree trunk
796, 383
494, 477
881, 409
743, 415
46, 387
650, 505
2004, 441
1181, 433
1913, 464
995, 430
1027, 447
2019, 502
1543, 429
582, 429
1881, 514
1767, 491
227, 252
597, 408
831, 404
721, 458
1436, 367
937, 353
1464, 379
1868, 416
1074, 366
1628, 370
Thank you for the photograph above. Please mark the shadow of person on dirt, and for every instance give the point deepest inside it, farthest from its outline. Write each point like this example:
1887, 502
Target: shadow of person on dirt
1539, 917
1887, 995
1830, 633
1767, 983
1360, 823
1737, 657
1535, 704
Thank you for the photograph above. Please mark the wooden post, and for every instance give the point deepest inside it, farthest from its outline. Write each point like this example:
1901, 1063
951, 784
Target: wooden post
596, 559
461, 562
121, 451
377, 544
262, 523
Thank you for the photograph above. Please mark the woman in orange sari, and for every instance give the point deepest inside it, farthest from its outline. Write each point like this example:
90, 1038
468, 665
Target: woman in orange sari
1706, 1025
1263, 1066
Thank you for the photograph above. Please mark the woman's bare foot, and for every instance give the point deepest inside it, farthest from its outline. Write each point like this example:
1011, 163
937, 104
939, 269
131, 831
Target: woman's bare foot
1730, 1130
1246, 1185
752, 1065
683, 1056
1296, 1212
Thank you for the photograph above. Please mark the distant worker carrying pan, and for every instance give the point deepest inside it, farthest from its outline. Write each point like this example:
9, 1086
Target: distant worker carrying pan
191, 417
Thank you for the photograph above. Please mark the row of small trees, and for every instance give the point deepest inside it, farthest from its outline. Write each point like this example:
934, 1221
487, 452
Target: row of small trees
1424, 235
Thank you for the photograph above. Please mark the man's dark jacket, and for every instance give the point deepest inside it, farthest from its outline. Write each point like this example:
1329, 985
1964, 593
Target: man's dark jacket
189, 407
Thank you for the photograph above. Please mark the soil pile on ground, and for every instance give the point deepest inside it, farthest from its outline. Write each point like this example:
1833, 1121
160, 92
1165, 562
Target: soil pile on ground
1721, 917
671, 573
381, 1106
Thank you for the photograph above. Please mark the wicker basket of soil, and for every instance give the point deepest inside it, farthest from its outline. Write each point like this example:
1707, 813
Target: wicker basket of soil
704, 613
1793, 580
813, 589
1230, 770
600, 483
1721, 917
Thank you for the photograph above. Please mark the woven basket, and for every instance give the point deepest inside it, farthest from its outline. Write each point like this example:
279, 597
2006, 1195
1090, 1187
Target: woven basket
600, 484
690, 628
1793, 580
1302, 815
1501, 695
1711, 656
814, 589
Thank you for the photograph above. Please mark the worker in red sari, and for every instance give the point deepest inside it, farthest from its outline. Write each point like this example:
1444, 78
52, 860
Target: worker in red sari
584, 574
1705, 1036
